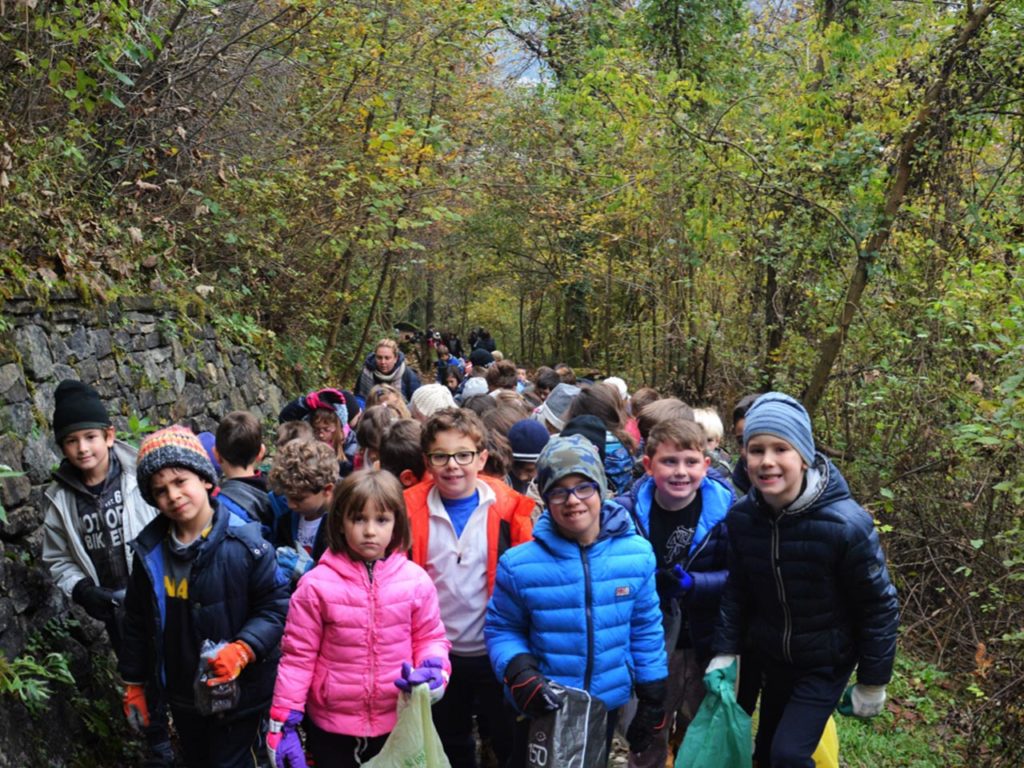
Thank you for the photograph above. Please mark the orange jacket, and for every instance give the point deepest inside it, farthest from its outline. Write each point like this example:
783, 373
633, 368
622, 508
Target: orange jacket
508, 522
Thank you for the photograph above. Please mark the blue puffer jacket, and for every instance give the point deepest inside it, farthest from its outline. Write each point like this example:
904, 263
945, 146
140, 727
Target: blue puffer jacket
618, 465
235, 594
809, 587
708, 558
588, 614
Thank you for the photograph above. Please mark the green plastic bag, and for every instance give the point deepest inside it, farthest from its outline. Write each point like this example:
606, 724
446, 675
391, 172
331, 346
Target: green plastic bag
414, 741
719, 736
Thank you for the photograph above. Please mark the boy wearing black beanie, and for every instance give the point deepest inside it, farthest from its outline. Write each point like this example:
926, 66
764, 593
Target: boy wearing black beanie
93, 510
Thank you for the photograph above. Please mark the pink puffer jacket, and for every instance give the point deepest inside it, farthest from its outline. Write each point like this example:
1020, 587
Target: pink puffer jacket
346, 638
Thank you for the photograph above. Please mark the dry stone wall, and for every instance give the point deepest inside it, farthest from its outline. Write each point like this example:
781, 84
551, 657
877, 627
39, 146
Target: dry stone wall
147, 360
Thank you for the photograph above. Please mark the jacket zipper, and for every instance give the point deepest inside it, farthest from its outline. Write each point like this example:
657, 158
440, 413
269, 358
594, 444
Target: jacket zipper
373, 656
780, 588
588, 602
703, 543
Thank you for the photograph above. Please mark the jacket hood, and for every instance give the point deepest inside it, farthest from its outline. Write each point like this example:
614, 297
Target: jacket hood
67, 475
823, 485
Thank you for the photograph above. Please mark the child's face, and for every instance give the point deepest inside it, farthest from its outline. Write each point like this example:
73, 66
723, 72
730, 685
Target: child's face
737, 433
183, 496
311, 505
368, 532
677, 474
88, 450
524, 471
453, 383
454, 480
577, 519
713, 443
776, 469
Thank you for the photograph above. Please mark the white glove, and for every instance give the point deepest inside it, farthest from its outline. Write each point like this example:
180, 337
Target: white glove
863, 700
722, 661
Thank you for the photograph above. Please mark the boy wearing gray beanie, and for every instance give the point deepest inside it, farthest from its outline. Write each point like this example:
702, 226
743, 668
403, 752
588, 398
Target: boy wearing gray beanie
808, 598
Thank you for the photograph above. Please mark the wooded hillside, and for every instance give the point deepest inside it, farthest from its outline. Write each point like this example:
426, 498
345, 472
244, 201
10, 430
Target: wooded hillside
711, 197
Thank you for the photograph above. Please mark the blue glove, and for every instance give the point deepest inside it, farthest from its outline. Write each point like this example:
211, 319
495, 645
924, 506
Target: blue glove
683, 579
294, 561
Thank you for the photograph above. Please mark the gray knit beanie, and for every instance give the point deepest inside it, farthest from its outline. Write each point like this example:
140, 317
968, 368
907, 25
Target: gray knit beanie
778, 414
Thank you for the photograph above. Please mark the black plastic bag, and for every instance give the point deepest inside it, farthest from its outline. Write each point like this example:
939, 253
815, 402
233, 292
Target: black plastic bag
573, 736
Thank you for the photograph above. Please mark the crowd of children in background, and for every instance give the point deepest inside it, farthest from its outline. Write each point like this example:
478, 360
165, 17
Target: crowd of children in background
486, 535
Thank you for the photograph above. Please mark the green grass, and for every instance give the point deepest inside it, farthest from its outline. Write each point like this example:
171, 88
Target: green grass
916, 731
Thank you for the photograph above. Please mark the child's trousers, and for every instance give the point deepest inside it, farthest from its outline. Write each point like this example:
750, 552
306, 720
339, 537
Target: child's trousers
795, 705
336, 750
684, 693
214, 742
473, 690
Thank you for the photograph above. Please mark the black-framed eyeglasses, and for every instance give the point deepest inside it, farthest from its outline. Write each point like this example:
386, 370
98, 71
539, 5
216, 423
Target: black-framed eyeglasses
462, 458
556, 497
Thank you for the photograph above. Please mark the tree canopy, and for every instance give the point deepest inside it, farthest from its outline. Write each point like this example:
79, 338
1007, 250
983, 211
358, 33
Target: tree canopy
710, 197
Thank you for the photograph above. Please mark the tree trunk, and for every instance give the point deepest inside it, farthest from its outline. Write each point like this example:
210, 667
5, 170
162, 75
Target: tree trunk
930, 113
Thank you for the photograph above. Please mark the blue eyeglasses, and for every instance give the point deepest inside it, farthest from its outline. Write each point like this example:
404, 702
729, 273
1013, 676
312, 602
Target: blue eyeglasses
556, 497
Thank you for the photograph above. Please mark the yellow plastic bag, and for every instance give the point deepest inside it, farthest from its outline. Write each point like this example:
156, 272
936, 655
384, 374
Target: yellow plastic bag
827, 753
414, 742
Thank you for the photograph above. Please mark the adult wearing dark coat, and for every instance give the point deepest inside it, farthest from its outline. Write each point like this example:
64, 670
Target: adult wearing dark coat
387, 365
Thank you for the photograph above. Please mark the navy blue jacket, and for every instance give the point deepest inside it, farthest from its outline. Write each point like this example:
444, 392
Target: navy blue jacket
808, 587
588, 614
235, 593
707, 560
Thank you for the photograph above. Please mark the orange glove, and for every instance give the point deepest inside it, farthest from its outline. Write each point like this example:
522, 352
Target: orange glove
229, 662
135, 708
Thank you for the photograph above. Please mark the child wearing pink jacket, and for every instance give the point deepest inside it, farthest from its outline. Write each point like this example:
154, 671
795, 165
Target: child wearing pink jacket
363, 626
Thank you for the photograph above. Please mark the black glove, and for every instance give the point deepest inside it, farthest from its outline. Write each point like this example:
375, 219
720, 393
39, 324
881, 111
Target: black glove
650, 716
99, 602
531, 691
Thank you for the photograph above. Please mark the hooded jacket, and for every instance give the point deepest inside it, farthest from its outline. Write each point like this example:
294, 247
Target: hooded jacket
348, 633
588, 614
235, 594
808, 586
402, 378
707, 560
63, 551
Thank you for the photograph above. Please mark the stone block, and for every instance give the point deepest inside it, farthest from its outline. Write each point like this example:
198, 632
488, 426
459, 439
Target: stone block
107, 368
79, 343
13, 490
17, 418
43, 399
36, 356
88, 370
12, 384
39, 458
21, 518
191, 402
102, 342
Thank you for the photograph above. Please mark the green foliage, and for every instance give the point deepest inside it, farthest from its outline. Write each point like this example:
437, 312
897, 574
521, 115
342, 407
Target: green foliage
29, 679
137, 430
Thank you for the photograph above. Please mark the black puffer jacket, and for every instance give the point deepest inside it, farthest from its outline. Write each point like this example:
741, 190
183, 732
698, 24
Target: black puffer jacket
809, 587
235, 594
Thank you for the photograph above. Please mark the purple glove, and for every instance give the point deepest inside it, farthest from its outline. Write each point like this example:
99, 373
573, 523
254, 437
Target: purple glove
284, 748
430, 672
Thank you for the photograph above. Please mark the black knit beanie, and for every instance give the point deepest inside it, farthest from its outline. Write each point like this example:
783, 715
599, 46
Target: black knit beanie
77, 406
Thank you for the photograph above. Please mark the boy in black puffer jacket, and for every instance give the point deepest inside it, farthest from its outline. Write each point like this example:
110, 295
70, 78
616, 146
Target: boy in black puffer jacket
808, 591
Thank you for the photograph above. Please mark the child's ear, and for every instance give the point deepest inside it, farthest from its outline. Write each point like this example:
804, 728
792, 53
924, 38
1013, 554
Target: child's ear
329, 489
707, 462
647, 464
109, 435
259, 456
407, 478
216, 455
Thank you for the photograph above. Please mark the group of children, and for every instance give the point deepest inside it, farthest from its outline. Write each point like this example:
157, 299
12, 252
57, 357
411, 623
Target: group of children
260, 608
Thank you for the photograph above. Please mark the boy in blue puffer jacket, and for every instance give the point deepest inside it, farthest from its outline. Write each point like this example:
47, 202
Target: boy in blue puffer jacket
681, 510
578, 605
808, 594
